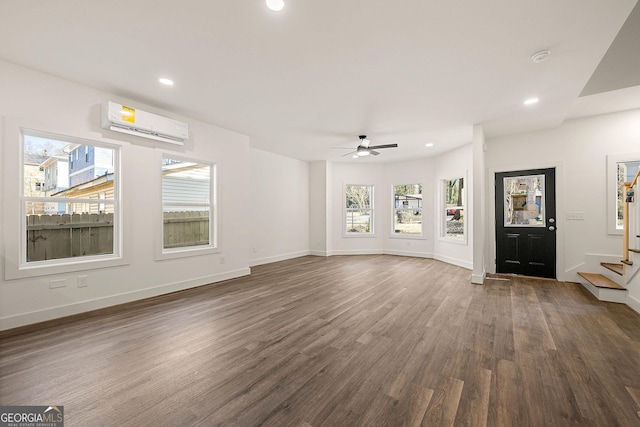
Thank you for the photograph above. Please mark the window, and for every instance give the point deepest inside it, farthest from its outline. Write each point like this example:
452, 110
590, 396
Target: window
453, 225
626, 172
68, 223
620, 168
407, 209
359, 209
188, 205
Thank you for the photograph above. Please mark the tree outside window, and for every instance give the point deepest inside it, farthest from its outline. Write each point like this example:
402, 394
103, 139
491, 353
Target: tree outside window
453, 208
359, 208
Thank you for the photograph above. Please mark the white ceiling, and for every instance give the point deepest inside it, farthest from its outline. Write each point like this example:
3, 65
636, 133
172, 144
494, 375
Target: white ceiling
319, 73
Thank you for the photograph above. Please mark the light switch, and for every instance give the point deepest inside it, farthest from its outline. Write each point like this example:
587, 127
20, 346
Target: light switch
575, 216
57, 283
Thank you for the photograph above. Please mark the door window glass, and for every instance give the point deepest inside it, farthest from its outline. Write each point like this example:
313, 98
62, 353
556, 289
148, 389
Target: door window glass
524, 201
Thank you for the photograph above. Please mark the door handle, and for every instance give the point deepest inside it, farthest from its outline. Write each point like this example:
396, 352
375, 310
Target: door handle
551, 228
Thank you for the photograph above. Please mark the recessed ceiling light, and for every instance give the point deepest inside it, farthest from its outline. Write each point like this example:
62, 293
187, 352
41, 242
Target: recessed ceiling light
165, 81
531, 101
540, 56
275, 5
429, 144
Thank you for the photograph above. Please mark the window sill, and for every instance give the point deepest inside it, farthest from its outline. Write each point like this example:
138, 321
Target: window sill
186, 252
62, 266
365, 235
460, 241
408, 236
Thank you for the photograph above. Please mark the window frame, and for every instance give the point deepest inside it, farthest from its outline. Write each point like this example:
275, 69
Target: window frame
393, 234
14, 223
371, 208
442, 208
612, 189
162, 253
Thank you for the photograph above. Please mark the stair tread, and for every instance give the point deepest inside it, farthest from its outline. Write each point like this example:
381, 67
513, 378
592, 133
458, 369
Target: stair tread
627, 262
616, 268
635, 250
600, 281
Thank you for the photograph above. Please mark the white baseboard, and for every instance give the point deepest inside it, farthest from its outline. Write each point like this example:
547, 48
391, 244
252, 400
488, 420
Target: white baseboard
459, 262
478, 279
98, 303
283, 257
634, 303
319, 253
449, 260
356, 252
408, 253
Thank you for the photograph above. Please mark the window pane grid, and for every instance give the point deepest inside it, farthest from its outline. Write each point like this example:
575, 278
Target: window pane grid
358, 209
407, 213
453, 210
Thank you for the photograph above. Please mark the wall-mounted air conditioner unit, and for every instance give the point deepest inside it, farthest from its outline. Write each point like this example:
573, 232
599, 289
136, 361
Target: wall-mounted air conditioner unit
122, 118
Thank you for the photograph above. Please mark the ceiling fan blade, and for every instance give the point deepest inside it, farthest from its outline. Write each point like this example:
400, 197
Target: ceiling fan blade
373, 153
375, 147
348, 154
343, 148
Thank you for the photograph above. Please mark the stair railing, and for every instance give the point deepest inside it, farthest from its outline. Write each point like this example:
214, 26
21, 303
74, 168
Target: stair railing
628, 198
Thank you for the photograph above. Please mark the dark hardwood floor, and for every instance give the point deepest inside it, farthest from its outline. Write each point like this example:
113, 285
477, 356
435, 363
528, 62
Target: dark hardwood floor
339, 341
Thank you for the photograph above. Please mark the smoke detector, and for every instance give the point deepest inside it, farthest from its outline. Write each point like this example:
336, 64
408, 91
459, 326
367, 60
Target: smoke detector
540, 56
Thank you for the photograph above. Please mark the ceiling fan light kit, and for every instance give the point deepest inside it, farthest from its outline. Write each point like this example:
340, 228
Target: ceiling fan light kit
364, 149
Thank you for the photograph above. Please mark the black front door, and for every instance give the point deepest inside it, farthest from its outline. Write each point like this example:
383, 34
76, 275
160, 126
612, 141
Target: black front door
526, 222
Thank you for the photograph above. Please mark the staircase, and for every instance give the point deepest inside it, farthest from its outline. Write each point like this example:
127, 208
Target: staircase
613, 288
604, 288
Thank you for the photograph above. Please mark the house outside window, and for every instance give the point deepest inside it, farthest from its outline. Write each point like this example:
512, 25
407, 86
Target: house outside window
407, 209
453, 224
358, 209
65, 223
189, 214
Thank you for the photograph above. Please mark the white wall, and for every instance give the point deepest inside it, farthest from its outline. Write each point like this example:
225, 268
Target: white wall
477, 200
383, 176
454, 164
411, 172
255, 212
56, 105
578, 149
279, 205
357, 174
320, 207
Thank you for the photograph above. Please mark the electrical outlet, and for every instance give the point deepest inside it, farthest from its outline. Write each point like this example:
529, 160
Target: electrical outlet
255, 249
57, 283
82, 281
221, 258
